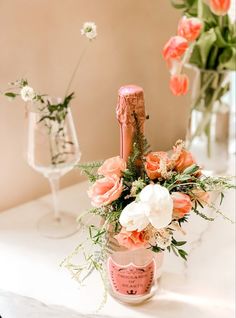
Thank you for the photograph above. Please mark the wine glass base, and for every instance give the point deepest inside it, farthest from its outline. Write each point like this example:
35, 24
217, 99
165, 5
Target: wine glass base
57, 228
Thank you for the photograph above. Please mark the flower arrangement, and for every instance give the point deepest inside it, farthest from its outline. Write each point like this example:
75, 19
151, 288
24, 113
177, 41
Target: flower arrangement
206, 39
143, 203
206, 42
52, 112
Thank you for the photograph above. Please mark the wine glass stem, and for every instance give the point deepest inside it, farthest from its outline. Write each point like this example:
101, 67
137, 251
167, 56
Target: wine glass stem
54, 183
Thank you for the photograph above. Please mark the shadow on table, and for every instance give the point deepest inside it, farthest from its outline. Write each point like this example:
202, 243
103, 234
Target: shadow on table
171, 301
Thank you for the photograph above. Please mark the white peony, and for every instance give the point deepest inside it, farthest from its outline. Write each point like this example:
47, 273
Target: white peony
133, 216
27, 93
89, 29
160, 205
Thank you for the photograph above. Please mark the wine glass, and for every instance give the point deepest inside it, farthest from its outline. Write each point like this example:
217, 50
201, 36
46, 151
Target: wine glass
53, 150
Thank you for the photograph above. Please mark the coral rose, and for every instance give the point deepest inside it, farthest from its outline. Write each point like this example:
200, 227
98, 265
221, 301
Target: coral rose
182, 204
184, 161
179, 84
114, 165
175, 48
131, 240
105, 190
153, 161
189, 28
220, 7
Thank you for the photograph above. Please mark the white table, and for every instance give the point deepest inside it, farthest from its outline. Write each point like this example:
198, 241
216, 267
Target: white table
32, 285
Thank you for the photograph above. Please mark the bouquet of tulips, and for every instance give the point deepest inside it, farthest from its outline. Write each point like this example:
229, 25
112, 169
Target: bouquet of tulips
206, 39
206, 42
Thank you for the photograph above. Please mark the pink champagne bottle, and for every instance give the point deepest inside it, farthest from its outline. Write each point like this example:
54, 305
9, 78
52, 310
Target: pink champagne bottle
130, 101
132, 274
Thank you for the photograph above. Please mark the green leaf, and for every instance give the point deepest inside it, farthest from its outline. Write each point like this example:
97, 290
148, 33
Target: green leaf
156, 249
174, 249
221, 197
11, 95
220, 41
223, 91
180, 243
177, 5
227, 59
208, 17
183, 254
52, 118
192, 169
212, 59
184, 177
204, 43
195, 57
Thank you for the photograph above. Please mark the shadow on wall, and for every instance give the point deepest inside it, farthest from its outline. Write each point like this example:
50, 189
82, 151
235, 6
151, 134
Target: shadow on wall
42, 42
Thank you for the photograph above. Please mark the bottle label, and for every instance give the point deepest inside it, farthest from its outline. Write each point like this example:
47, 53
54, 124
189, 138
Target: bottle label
131, 279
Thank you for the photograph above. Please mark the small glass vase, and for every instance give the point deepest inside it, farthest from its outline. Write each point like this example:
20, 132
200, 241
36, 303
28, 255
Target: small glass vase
133, 275
208, 132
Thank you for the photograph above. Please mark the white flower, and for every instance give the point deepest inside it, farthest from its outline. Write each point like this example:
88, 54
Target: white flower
161, 205
163, 238
27, 93
133, 216
89, 29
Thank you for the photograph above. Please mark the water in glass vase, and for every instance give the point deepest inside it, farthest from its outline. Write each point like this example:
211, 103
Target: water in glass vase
208, 131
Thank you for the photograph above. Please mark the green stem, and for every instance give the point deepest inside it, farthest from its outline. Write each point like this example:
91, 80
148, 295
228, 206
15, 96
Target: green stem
199, 9
208, 133
75, 69
202, 90
208, 108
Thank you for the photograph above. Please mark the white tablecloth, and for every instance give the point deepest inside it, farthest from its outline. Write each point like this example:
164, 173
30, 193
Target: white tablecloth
29, 267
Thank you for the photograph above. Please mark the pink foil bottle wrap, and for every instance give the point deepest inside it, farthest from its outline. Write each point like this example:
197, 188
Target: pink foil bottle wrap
130, 100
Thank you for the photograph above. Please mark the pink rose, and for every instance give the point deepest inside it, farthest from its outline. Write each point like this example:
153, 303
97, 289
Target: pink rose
152, 164
182, 204
131, 240
114, 165
189, 28
105, 190
202, 196
220, 7
179, 84
175, 48
184, 161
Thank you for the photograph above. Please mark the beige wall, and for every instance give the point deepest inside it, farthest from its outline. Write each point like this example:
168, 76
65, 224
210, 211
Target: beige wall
40, 40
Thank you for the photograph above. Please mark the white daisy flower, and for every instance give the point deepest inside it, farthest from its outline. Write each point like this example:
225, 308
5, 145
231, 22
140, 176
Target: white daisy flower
27, 93
89, 29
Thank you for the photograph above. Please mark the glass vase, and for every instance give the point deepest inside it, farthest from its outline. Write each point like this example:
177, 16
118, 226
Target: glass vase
208, 132
53, 150
133, 275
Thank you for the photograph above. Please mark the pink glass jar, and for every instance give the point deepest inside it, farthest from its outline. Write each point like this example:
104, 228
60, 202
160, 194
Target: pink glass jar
133, 275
